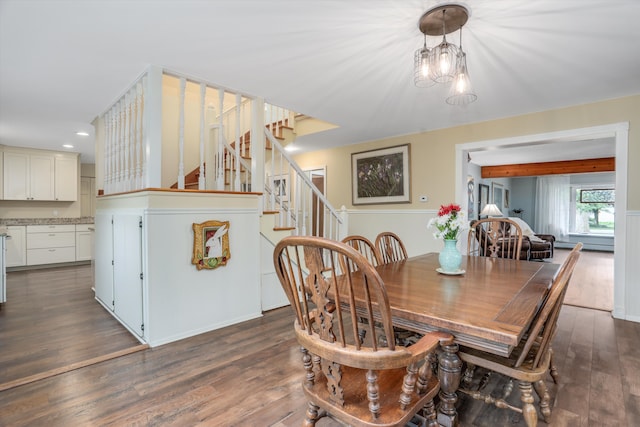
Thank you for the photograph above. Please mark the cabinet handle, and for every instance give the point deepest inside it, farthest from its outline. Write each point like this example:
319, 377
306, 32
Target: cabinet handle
52, 250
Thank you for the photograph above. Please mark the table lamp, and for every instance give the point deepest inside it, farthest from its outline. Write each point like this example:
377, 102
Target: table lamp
491, 210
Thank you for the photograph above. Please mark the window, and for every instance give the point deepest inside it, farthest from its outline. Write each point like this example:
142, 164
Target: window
593, 210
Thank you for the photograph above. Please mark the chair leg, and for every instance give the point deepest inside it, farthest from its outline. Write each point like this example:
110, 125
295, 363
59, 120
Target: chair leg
528, 410
307, 362
429, 412
545, 399
467, 378
312, 415
553, 370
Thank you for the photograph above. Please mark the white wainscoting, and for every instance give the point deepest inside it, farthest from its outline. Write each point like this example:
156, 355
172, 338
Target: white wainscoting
627, 294
272, 294
184, 301
409, 225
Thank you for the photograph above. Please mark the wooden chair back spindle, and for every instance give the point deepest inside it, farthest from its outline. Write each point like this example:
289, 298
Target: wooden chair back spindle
365, 247
495, 237
390, 247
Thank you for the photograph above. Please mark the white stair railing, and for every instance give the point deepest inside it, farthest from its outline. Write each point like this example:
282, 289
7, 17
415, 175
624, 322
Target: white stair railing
124, 161
231, 167
290, 193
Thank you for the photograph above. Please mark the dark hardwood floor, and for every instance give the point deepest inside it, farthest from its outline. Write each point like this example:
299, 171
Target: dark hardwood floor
51, 321
249, 374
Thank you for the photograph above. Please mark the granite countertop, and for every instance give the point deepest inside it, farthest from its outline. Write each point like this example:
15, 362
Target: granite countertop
46, 221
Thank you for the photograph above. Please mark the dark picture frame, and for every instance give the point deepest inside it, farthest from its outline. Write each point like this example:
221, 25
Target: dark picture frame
381, 176
497, 196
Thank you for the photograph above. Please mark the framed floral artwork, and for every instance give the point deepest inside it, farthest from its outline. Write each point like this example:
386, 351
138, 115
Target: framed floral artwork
210, 244
381, 176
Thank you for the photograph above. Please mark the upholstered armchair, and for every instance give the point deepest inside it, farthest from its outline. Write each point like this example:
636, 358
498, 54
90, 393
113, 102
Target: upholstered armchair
540, 249
536, 246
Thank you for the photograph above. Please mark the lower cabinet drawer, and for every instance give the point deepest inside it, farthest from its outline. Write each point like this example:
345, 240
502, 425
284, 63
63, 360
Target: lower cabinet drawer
50, 240
51, 255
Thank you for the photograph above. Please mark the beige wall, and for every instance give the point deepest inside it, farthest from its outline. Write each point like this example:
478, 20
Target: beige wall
433, 166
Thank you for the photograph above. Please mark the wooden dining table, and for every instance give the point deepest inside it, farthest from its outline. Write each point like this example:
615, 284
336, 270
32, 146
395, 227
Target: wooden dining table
488, 307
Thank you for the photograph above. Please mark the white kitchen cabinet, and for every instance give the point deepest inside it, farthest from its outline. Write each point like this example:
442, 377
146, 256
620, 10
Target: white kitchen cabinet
28, 176
51, 244
66, 177
39, 175
16, 246
1, 175
84, 242
3, 270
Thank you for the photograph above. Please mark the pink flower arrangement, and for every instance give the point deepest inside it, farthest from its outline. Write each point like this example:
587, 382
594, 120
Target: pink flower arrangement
449, 222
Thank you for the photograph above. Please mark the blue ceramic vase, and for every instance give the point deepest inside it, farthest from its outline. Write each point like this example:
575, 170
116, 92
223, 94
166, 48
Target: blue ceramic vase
450, 257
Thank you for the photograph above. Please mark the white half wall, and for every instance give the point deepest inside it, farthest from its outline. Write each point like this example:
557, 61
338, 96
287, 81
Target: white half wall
627, 298
409, 225
179, 300
184, 301
272, 294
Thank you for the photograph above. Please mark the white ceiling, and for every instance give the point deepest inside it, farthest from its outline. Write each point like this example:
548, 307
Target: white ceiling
64, 62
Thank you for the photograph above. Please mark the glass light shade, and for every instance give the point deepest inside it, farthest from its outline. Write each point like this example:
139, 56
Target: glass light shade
421, 68
461, 92
443, 62
490, 209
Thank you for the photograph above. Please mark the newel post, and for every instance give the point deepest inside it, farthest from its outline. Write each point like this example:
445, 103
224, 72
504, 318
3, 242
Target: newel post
152, 135
257, 145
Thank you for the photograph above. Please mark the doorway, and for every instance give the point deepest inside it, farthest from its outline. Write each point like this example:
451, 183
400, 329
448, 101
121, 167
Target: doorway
619, 132
317, 177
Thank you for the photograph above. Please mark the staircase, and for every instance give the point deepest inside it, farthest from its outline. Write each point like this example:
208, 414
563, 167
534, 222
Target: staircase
302, 210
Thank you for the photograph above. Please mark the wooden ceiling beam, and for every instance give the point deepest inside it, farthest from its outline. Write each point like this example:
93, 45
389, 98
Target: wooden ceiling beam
550, 168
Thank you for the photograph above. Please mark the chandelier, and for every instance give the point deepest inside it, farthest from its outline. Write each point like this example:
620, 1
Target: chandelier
446, 62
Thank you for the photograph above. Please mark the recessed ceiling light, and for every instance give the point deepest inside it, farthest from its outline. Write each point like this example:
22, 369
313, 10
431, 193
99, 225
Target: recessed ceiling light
67, 145
81, 133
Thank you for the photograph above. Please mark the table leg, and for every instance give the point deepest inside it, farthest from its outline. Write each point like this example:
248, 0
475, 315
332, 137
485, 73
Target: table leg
449, 374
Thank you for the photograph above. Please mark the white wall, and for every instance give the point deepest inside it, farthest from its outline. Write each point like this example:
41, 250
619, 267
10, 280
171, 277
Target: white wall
179, 300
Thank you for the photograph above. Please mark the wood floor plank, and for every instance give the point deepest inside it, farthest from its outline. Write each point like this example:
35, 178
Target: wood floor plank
606, 402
